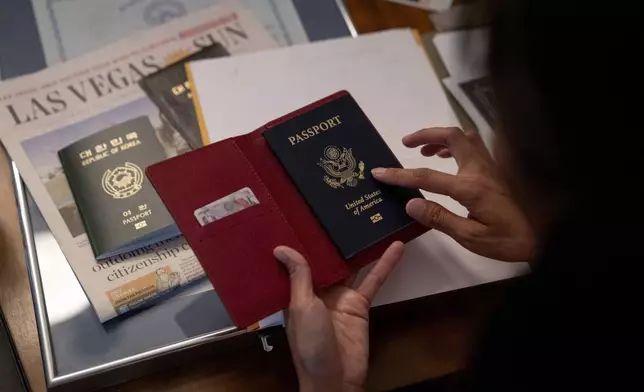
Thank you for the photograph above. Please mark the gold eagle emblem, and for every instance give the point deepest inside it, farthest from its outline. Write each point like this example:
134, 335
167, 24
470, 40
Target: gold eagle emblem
123, 182
340, 165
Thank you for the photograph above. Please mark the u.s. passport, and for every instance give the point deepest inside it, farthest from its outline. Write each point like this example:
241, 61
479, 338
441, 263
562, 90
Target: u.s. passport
329, 152
310, 172
119, 208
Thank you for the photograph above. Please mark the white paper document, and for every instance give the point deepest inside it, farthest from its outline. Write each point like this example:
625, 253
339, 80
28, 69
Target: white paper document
70, 28
392, 80
463, 52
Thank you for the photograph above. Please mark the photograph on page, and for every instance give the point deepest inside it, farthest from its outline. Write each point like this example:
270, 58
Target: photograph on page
476, 97
480, 92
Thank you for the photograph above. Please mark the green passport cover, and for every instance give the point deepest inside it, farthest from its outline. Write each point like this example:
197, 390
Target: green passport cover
106, 173
329, 152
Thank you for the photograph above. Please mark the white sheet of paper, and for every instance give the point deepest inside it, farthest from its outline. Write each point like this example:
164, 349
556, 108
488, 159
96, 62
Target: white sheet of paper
463, 52
391, 78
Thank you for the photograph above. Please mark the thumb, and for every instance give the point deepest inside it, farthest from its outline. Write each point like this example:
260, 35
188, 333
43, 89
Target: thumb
299, 273
437, 217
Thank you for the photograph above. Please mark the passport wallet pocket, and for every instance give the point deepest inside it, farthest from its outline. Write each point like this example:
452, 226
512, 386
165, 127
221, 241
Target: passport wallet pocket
245, 251
248, 216
191, 181
266, 214
239, 245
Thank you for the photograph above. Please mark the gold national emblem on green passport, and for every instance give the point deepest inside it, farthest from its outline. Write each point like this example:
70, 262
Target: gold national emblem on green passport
124, 181
340, 164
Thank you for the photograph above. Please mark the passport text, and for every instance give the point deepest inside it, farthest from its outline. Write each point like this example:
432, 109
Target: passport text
314, 130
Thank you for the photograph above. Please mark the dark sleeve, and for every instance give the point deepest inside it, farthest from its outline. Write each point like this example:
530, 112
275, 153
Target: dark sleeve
570, 325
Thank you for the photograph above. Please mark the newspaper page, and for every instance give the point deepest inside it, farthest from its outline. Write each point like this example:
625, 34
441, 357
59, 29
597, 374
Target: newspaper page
69, 28
46, 111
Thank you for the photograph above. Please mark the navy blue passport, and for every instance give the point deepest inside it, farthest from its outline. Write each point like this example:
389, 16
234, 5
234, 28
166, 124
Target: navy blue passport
328, 152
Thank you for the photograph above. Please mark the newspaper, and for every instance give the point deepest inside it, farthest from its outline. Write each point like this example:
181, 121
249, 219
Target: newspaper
44, 112
69, 28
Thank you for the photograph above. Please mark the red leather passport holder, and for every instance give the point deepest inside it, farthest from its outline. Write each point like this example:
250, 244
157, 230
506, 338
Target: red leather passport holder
237, 251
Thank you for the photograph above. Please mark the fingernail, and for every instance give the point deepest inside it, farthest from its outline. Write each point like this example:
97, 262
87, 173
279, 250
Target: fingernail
415, 207
280, 254
378, 171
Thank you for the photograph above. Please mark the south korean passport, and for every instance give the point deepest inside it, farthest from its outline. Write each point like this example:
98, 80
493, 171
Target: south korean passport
328, 152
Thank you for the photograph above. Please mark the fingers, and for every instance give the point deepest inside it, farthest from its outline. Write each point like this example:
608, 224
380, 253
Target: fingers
429, 150
299, 273
427, 179
451, 138
379, 273
442, 151
436, 216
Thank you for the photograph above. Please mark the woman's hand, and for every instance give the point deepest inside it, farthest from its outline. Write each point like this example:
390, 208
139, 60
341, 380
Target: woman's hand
329, 333
495, 227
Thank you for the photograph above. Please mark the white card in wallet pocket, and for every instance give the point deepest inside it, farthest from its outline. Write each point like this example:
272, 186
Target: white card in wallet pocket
226, 206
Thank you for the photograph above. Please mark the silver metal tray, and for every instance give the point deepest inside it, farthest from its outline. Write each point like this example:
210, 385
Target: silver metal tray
78, 350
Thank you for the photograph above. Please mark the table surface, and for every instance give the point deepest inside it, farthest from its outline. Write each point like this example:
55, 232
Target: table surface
410, 342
